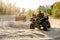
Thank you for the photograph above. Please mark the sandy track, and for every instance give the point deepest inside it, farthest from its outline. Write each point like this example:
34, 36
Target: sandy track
11, 32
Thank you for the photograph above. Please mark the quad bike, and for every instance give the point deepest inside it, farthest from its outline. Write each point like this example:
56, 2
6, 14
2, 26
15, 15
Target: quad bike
34, 23
43, 22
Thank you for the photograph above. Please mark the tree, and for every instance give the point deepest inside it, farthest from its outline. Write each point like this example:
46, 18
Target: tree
23, 10
2, 8
56, 9
45, 9
41, 8
12, 10
8, 9
29, 12
48, 10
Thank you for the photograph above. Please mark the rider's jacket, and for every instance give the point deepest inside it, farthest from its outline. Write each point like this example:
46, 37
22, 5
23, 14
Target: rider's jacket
40, 15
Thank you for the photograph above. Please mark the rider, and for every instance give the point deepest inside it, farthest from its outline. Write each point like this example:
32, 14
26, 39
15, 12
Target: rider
40, 14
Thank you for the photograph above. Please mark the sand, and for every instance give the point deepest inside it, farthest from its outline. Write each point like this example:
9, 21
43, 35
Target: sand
20, 31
